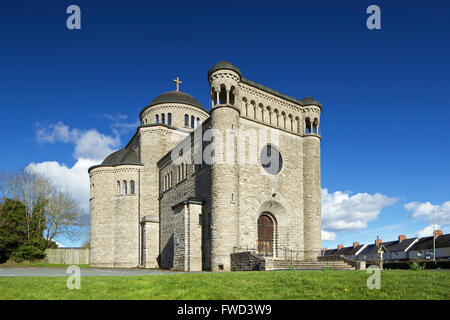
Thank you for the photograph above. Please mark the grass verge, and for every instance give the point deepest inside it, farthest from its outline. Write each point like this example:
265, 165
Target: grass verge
276, 285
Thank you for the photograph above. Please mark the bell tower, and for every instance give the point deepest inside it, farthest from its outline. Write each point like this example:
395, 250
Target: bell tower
223, 82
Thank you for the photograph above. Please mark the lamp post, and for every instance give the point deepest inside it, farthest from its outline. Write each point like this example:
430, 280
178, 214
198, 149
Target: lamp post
434, 240
434, 236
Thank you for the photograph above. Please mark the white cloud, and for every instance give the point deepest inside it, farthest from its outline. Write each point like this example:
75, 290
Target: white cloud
326, 235
342, 211
53, 133
74, 180
427, 231
89, 144
90, 148
94, 145
424, 211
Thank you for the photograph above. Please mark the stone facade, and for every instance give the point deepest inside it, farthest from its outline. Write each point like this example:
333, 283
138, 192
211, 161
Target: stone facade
202, 181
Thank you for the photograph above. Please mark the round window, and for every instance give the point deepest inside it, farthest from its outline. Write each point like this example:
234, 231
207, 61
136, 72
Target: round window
271, 159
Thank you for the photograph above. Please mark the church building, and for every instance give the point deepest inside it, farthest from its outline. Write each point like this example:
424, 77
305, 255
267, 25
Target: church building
193, 186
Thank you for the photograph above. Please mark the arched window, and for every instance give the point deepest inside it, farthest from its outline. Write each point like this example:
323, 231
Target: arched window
169, 119
307, 125
125, 189
198, 122
223, 95
297, 119
186, 120
118, 187
316, 126
163, 118
132, 191
192, 121
157, 118
232, 95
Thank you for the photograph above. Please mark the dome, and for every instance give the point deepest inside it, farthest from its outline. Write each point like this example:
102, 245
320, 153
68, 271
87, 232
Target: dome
176, 97
123, 156
310, 101
224, 65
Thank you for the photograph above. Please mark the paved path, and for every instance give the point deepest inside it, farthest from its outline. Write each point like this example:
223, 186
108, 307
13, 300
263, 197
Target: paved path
87, 272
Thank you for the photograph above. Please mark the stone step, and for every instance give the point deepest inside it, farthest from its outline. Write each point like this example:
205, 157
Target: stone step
311, 265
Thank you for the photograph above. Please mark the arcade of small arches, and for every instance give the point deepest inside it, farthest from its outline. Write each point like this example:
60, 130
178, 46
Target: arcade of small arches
194, 122
161, 118
257, 111
124, 189
277, 118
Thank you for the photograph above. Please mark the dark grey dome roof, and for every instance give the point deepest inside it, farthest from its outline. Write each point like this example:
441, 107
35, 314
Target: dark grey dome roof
224, 65
311, 101
123, 156
177, 97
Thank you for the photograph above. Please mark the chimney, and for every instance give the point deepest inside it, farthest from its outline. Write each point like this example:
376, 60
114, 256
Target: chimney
325, 249
437, 233
401, 238
378, 241
340, 246
355, 244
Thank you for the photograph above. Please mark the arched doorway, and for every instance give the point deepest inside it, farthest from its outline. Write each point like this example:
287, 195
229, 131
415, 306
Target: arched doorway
265, 235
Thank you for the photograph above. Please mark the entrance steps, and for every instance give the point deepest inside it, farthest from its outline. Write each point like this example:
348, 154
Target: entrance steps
275, 264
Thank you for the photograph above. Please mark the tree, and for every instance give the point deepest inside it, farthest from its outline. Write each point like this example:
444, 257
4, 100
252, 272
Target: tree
48, 211
12, 232
62, 215
30, 191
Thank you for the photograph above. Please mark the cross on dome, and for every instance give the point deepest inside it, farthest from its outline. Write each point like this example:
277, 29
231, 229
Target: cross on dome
178, 82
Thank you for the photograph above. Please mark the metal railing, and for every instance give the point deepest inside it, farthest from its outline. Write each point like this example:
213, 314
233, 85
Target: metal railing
278, 252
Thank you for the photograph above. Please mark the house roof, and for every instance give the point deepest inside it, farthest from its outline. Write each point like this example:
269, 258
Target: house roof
372, 248
346, 251
396, 246
443, 241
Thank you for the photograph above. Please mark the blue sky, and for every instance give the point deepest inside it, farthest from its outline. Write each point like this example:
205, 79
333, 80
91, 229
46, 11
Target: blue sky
68, 97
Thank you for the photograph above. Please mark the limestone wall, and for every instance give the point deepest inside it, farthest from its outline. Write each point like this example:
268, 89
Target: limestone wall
194, 184
114, 215
247, 261
155, 141
280, 195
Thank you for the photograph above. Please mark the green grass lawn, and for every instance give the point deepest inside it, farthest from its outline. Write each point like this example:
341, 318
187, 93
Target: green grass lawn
237, 285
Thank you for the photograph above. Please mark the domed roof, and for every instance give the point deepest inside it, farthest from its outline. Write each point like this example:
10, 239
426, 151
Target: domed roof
310, 101
224, 65
177, 97
122, 156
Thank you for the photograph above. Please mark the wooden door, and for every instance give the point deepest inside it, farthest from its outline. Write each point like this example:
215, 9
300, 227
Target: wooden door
265, 236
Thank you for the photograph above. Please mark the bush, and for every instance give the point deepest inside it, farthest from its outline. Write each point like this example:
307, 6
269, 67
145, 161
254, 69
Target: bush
439, 264
29, 251
417, 266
